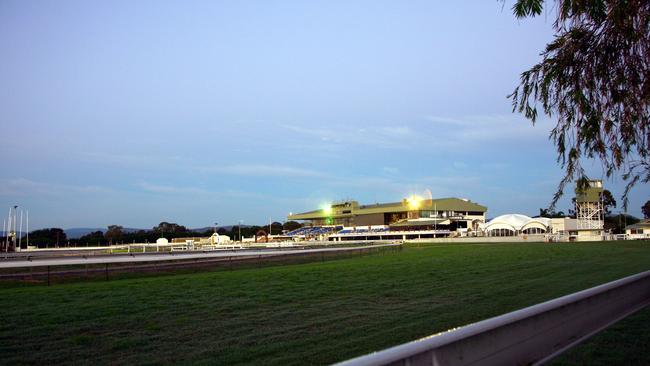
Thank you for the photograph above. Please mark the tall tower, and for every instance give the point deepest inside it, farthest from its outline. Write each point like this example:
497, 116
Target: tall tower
589, 206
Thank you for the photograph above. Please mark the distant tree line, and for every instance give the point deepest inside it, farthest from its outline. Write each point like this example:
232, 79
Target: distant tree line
116, 234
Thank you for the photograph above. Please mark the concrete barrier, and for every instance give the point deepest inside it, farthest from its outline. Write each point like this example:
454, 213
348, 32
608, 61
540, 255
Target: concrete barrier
533, 335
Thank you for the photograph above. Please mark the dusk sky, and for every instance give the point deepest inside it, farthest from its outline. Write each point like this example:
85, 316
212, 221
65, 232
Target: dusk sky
137, 112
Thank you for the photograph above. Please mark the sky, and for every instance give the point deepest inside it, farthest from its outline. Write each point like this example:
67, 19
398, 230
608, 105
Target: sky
196, 112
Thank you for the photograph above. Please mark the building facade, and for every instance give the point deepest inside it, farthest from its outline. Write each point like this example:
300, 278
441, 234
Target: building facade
413, 213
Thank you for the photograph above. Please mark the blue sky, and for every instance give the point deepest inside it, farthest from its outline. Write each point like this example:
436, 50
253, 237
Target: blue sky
132, 113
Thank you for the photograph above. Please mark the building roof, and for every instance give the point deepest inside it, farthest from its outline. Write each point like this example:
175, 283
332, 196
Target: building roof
643, 224
351, 208
421, 222
516, 222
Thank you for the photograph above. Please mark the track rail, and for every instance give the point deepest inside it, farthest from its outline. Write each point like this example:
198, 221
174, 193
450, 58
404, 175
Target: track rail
533, 335
176, 256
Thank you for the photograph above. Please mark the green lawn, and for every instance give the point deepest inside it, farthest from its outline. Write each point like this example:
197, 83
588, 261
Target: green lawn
314, 313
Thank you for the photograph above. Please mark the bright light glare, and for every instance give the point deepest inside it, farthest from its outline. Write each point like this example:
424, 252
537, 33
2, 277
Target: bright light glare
327, 210
414, 202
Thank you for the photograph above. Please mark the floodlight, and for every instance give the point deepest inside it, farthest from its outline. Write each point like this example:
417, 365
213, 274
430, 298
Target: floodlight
414, 202
327, 210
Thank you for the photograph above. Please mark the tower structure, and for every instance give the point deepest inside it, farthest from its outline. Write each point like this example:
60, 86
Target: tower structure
589, 207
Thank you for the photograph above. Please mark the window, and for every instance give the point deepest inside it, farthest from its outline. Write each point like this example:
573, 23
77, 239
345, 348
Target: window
501, 232
534, 230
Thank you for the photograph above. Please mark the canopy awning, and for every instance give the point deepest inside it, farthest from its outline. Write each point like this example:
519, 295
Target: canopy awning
422, 222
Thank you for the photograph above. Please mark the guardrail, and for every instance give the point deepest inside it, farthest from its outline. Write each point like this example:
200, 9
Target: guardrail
533, 335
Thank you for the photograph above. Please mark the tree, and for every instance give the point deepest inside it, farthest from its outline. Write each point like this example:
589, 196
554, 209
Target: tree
546, 212
608, 201
572, 211
170, 228
593, 78
291, 225
276, 228
114, 233
646, 210
95, 238
47, 237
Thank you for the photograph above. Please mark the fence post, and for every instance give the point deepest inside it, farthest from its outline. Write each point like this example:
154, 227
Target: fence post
106, 271
48, 275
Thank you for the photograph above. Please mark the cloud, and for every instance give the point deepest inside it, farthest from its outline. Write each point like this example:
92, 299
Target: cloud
446, 120
27, 187
121, 159
264, 170
321, 134
223, 197
392, 137
487, 128
396, 131
390, 170
169, 189
459, 165
457, 132
401, 186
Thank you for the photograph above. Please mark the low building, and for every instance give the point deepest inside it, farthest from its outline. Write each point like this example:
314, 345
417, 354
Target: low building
214, 239
564, 226
516, 224
640, 230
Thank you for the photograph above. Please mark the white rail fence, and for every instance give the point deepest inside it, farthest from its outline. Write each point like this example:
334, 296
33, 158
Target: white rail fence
532, 335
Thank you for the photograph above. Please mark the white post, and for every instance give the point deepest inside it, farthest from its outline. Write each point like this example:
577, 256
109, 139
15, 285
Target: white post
8, 229
27, 228
4, 227
20, 232
435, 221
15, 226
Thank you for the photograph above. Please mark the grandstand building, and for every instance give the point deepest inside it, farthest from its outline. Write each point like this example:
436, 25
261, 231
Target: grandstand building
429, 217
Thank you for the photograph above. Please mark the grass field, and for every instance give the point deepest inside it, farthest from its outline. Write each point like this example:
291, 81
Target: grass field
315, 313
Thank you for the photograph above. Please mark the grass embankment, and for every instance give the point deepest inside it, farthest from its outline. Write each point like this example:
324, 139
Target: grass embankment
301, 314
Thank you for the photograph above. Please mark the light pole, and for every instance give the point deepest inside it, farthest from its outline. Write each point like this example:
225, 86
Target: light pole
215, 227
13, 241
240, 240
